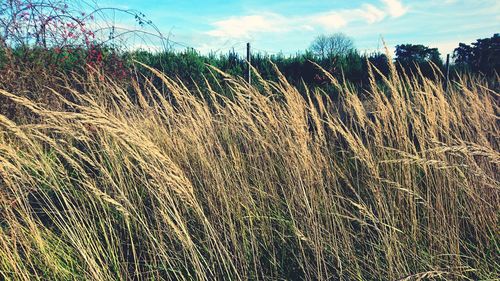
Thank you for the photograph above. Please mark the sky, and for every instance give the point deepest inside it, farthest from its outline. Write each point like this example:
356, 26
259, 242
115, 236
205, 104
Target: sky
289, 27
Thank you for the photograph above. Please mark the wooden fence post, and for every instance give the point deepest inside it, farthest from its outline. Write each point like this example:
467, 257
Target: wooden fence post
447, 73
249, 63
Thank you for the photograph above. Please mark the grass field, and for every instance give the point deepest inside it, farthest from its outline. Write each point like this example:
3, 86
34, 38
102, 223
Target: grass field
263, 183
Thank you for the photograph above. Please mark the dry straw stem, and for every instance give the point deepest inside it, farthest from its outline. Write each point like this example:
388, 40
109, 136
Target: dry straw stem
224, 180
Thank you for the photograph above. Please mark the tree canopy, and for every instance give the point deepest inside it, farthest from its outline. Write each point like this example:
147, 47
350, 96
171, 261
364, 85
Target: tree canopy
410, 53
482, 55
337, 44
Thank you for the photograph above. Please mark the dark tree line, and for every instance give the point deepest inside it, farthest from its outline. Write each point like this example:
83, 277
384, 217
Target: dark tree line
480, 56
336, 54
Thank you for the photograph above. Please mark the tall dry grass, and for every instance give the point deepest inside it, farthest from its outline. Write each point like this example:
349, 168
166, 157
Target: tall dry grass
266, 184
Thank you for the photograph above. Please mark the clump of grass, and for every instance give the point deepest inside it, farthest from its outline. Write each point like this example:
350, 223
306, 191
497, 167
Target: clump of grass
261, 182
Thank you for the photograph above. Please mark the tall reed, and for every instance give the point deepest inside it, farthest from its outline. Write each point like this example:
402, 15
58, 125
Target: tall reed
260, 182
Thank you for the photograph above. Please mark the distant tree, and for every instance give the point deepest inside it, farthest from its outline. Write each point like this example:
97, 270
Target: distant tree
337, 44
379, 61
407, 54
483, 55
463, 54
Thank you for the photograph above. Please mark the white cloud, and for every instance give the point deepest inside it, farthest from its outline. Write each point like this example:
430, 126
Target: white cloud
331, 20
395, 8
371, 13
249, 25
240, 27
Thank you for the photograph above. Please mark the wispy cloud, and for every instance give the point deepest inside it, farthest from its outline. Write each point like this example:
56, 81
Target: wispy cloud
395, 8
371, 13
248, 25
331, 20
240, 27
